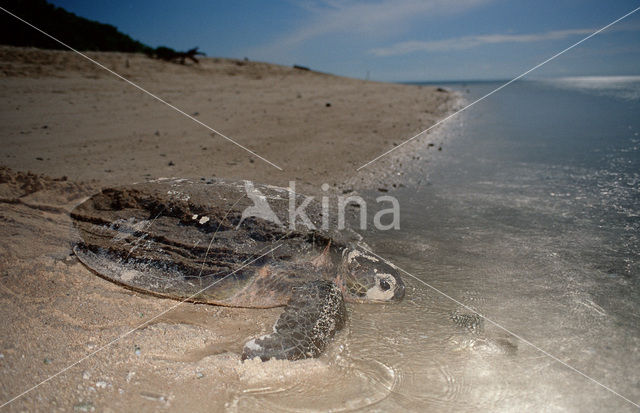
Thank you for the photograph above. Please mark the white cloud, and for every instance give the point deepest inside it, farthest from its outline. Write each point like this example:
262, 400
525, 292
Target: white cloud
357, 17
467, 42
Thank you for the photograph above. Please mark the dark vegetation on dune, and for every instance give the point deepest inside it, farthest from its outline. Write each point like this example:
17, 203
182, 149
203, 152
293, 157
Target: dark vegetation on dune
75, 31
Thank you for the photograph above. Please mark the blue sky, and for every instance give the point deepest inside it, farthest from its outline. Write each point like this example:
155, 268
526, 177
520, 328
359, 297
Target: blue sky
392, 40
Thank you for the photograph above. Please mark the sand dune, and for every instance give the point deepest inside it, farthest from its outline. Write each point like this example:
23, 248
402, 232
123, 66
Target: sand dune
64, 116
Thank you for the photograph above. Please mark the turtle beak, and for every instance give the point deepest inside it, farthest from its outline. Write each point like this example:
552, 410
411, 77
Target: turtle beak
398, 294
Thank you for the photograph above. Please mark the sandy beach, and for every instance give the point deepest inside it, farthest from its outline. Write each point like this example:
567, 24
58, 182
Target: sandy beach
70, 128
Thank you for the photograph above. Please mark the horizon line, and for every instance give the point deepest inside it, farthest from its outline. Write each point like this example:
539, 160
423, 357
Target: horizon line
491, 80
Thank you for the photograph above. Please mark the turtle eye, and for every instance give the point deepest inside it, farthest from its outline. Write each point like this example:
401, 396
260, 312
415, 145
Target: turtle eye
384, 286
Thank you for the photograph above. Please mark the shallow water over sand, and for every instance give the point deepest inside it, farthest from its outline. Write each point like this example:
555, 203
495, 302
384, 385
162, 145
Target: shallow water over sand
531, 216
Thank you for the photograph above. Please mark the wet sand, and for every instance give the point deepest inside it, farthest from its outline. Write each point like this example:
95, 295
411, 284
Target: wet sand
69, 128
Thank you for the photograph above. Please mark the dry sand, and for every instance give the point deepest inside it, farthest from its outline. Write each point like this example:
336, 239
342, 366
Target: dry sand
78, 128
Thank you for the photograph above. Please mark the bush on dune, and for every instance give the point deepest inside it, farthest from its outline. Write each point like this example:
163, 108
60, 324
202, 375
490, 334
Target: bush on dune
77, 32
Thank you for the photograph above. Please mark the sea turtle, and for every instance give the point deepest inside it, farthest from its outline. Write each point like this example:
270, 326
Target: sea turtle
232, 243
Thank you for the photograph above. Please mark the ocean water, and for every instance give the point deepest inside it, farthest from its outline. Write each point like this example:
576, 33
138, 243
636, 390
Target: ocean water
529, 216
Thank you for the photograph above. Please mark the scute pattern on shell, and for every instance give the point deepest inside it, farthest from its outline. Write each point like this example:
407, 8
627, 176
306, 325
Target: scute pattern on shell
175, 237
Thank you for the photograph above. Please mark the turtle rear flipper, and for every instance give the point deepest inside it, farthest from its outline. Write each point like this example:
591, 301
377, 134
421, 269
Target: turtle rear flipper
311, 318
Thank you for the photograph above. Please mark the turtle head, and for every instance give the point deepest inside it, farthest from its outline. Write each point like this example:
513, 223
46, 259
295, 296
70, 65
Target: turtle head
366, 278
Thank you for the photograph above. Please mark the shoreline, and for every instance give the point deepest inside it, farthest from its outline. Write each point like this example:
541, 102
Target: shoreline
78, 129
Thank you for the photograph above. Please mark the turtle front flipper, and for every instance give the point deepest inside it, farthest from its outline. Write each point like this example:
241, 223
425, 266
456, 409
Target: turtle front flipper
311, 318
